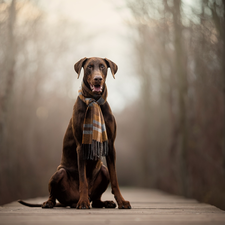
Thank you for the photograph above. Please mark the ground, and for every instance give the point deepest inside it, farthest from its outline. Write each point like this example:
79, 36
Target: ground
148, 207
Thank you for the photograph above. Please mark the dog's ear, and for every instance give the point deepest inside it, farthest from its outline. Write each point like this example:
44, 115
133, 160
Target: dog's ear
79, 65
112, 65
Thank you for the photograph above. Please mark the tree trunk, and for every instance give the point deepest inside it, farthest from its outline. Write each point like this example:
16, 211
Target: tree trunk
180, 66
147, 154
9, 69
219, 22
223, 66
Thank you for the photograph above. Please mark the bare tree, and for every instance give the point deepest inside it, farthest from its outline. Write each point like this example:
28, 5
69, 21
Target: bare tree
218, 16
36, 76
9, 63
182, 54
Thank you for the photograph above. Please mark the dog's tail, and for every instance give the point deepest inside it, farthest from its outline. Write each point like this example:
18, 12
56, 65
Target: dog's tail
37, 205
29, 204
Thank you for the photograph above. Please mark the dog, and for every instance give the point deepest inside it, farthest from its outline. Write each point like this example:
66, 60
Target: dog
81, 178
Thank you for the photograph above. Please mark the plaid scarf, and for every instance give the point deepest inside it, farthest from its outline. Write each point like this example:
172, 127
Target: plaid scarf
94, 139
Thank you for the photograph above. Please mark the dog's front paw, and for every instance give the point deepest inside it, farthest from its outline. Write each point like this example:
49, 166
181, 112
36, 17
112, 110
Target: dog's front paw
106, 204
48, 205
109, 204
124, 205
83, 204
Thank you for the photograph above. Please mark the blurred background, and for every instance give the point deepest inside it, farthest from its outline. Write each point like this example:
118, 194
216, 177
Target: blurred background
168, 96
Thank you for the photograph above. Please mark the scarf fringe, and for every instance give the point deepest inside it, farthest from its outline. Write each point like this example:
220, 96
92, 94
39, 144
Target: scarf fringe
95, 150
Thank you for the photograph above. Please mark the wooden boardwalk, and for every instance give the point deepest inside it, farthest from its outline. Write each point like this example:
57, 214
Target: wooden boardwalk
148, 207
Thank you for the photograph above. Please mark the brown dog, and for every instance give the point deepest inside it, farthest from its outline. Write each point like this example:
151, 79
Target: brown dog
80, 180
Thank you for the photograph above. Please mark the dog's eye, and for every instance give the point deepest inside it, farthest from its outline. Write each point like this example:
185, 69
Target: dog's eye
90, 66
102, 66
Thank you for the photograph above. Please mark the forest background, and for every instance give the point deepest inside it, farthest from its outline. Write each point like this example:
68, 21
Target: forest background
168, 96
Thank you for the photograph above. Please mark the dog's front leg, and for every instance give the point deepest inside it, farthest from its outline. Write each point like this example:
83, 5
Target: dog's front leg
83, 202
111, 162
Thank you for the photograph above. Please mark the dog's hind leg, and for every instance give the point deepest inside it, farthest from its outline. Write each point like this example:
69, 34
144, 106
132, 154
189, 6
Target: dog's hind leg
54, 187
99, 187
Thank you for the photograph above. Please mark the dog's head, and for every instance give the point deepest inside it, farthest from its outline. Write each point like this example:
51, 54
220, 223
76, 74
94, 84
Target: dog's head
95, 72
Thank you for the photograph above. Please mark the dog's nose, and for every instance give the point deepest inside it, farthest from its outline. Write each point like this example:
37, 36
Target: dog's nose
98, 78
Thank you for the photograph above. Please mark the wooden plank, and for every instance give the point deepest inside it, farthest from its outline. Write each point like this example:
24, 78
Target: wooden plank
148, 207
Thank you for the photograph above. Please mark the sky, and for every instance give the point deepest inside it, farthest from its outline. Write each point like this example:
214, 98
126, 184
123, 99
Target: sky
106, 33
105, 22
